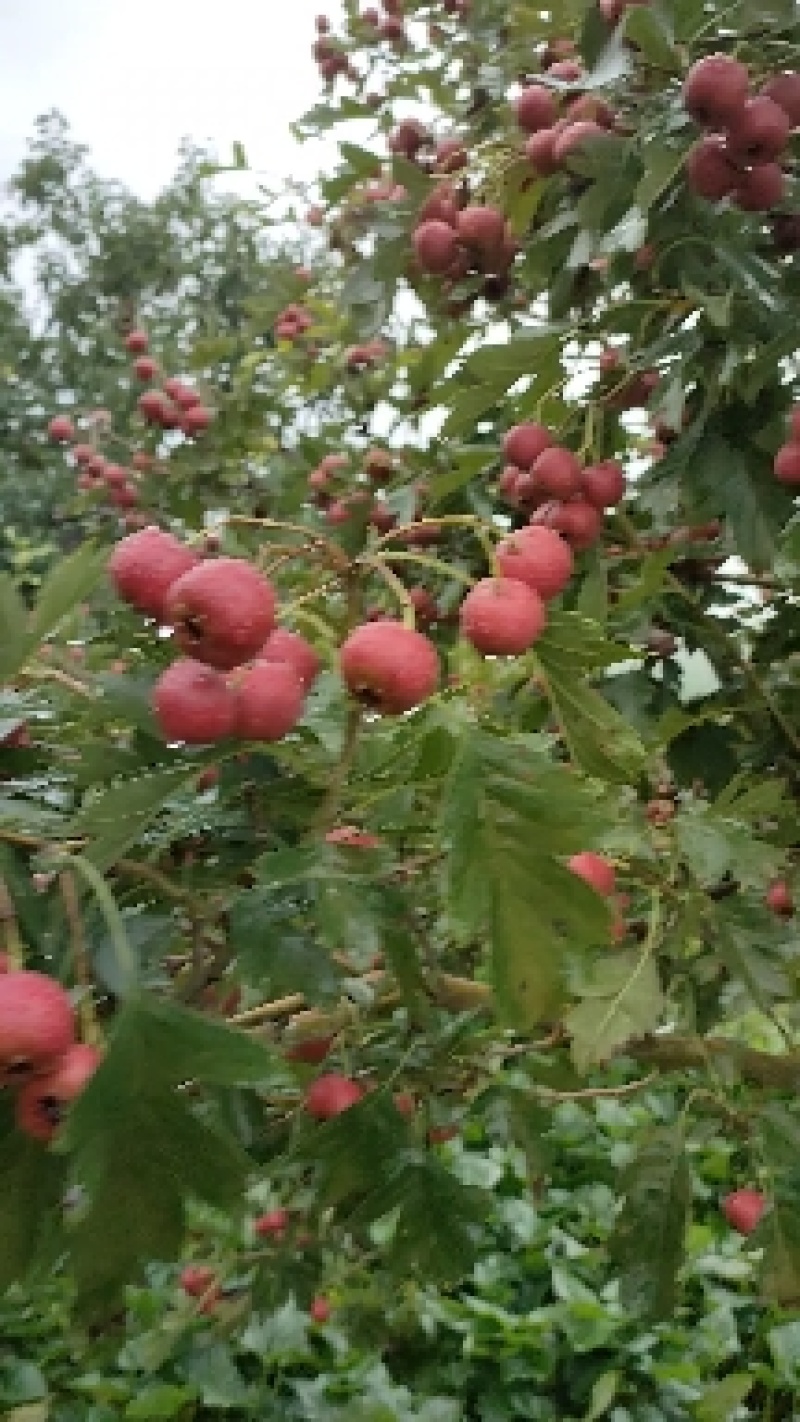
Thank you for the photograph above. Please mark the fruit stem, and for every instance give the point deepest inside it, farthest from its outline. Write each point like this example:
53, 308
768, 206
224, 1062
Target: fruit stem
435, 564
90, 1031
336, 557
398, 588
12, 942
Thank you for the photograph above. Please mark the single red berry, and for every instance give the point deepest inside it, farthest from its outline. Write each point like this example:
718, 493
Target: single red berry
378, 466
222, 611
759, 132
786, 464
436, 246
715, 90
558, 472
154, 406
197, 1279
42, 1103
743, 1209
482, 229
711, 171
312, 1051
523, 444
144, 566
539, 557
269, 700
36, 1025
540, 149
194, 704
145, 368
272, 1225
353, 838
285, 646
405, 1102
137, 342
575, 137
320, 1310
83, 453
502, 617
389, 667
784, 89
595, 871
603, 485
196, 419
760, 188
330, 1095
779, 898
61, 429
536, 108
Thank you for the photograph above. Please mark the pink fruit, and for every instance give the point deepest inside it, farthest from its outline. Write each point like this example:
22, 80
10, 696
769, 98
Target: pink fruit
603, 485
391, 668
523, 444
144, 566
36, 1025
436, 246
595, 871
716, 89
759, 132
193, 703
290, 647
222, 611
61, 429
743, 1209
330, 1095
779, 899
537, 556
502, 617
711, 171
784, 89
272, 1225
787, 464
41, 1104
269, 700
145, 368
137, 342
536, 108
558, 472
320, 1309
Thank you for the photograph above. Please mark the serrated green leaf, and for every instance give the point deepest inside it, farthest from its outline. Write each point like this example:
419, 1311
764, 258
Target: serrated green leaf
114, 819
69, 583
647, 1244
31, 1181
722, 1400
14, 642
621, 1000
434, 1230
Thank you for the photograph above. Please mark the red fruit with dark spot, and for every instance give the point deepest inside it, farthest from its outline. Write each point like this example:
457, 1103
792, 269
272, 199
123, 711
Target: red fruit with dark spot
536, 108
42, 1104
320, 1309
145, 368
338, 512
579, 522
568, 70
330, 1095
389, 667
760, 188
779, 899
312, 1051
382, 518
540, 150
207, 779
502, 617
436, 246
196, 419
595, 871
61, 429
154, 406
440, 206
603, 485
197, 1280
378, 465
36, 1025
523, 444
483, 229
269, 700
558, 472
784, 89
82, 453
290, 647
194, 704
539, 557
715, 90
272, 1225
743, 1209
710, 169
223, 612
786, 464
144, 566
180, 393
760, 132
137, 342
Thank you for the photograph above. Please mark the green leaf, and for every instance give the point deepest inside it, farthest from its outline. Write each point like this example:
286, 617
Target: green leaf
647, 1245
646, 28
779, 1231
356, 1148
70, 582
784, 1345
114, 819
621, 1000
603, 1393
31, 1181
435, 1229
721, 1400
13, 624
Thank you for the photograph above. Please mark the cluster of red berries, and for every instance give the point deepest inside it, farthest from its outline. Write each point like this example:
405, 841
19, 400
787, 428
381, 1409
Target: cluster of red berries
292, 322
241, 676
176, 405
549, 483
787, 461
332, 489
739, 157
414, 141
38, 1052
387, 25
330, 58
366, 356
553, 136
454, 242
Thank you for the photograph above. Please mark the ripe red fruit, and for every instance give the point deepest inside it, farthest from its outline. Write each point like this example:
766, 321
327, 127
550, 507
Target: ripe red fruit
269, 700
154, 406
36, 1025
523, 444
784, 89
272, 1225
320, 1310
710, 169
144, 566
760, 188
378, 465
436, 246
197, 1279
537, 556
353, 838
536, 108
61, 429
715, 90
540, 149
502, 617
330, 1095
193, 703
41, 1103
83, 453
787, 464
579, 522
180, 393
222, 611
760, 131
405, 1102
137, 342
595, 871
313, 1050
482, 229
558, 472
145, 368
575, 137
743, 1209
389, 667
196, 419
779, 898
603, 485
439, 1135
290, 647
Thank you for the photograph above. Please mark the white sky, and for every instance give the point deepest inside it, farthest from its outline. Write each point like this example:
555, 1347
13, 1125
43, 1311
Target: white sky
134, 77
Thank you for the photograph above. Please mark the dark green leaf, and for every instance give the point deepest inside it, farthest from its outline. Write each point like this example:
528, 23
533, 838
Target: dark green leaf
648, 1241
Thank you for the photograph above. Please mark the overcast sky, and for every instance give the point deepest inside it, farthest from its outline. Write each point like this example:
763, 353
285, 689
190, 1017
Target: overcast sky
135, 78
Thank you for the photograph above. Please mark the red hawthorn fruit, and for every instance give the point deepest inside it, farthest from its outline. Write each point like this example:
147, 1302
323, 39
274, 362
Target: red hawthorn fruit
222, 611
540, 149
787, 464
180, 393
536, 108
523, 444
269, 700
482, 229
353, 838
320, 1309
338, 512
196, 419
389, 667
290, 647
568, 70
595, 871
405, 1103
539, 557
207, 779
743, 1209
41, 1104
794, 423
144, 566
715, 90
425, 607
558, 472
193, 703
36, 1025
330, 1095
760, 188
603, 485
197, 1280
508, 482
436, 246
784, 89
502, 617
450, 156
579, 522
378, 466
440, 206
312, 1051
759, 132
382, 518
272, 1225
610, 359
137, 342
779, 899
145, 368
82, 453
590, 106
574, 137
61, 429
438, 1135
154, 406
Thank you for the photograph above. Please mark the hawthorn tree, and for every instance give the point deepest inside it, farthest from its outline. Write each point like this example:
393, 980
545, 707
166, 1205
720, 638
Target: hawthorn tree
418, 796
